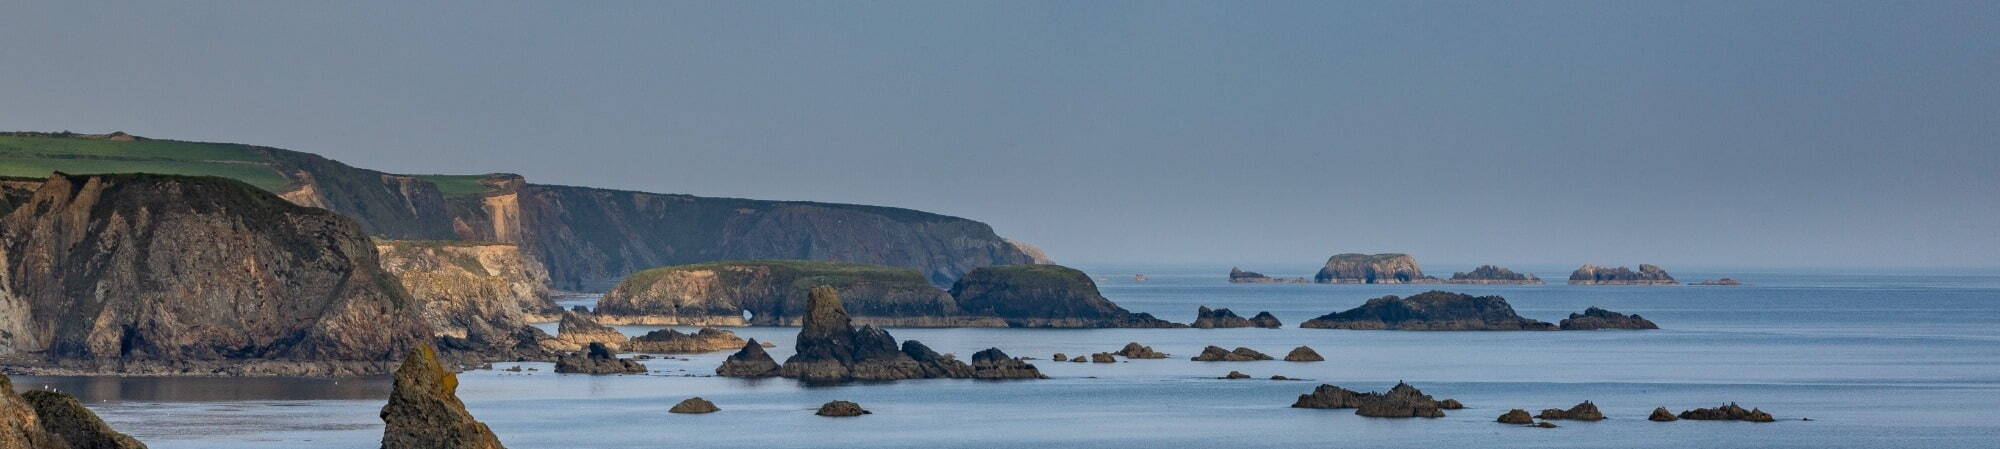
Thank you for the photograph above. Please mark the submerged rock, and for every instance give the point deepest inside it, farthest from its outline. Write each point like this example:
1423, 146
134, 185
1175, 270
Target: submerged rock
669, 341
1595, 318
1516, 416
1730, 412
694, 405
424, 411
1596, 275
596, 358
1585, 411
1662, 415
841, 409
1044, 296
1240, 354
1431, 311
1134, 350
1303, 354
751, 361
1387, 268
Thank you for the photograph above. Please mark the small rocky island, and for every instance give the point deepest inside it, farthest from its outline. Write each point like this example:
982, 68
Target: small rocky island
1493, 275
1386, 268
1044, 296
1430, 311
749, 362
1596, 275
1238, 276
1595, 318
831, 350
1728, 412
1402, 401
1205, 318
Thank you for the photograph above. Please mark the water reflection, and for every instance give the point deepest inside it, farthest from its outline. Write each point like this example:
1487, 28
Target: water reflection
201, 389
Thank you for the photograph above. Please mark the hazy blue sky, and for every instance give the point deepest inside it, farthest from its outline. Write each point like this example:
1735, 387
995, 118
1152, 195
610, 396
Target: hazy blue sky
1716, 133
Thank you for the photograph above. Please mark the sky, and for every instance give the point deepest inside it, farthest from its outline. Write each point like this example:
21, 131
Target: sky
1732, 133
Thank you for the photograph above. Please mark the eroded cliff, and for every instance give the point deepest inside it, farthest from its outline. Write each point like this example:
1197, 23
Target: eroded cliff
775, 293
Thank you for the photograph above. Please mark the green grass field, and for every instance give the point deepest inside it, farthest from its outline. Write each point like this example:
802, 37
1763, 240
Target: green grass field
38, 156
453, 186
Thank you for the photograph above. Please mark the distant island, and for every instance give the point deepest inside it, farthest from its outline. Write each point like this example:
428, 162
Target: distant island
1238, 276
1386, 268
1491, 275
1596, 275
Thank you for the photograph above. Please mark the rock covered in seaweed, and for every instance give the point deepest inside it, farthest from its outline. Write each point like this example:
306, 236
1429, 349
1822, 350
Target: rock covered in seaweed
1493, 275
1433, 310
1240, 354
1596, 275
751, 361
1595, 318
1303, 354
1386, 268
424, 411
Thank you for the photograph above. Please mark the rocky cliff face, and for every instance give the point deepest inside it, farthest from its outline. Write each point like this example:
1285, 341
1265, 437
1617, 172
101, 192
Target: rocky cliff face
775, 293
1492, 275
1388, 268
1044, 296
1433, 310
173, 274
478, 292
424, 411
1596, 275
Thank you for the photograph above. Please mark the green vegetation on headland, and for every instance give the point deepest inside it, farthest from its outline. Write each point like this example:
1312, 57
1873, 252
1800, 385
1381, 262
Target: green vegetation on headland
38, 154
456, 186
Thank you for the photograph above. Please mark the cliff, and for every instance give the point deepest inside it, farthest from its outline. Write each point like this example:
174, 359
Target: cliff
1596, 275
1388, 268
1044, 296
478, 292
1430, 311
775, 293
1492, 275
176, 274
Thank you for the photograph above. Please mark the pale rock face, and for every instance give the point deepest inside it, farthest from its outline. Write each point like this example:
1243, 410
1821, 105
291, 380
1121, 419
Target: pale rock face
477, 291
1387, 268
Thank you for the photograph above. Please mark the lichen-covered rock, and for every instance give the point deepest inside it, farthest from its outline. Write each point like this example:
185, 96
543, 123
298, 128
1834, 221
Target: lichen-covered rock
1240, 354
1044, 296
1516, 416
1660, 414
156, 274
775, 293
1237, 275
596, 358
994, 364
1387, 268
1303, 354
1492, 275
669, 341
1134, 350
577, 331
62, 416
1594, 318
1596, 275
1729, 412
1585, 411
1433, 311
841, 409
751, 361
424, 411
694, 406
482, 293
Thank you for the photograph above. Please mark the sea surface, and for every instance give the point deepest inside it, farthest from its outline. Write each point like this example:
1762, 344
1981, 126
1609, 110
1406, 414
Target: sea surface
1873, 358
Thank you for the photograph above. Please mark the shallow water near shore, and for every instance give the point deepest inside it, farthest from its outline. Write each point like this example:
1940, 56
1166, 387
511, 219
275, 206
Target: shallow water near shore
1874, 359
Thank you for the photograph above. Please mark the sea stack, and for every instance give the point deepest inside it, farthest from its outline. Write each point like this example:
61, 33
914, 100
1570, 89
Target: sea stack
424, 411
751, 361
1387, 268
831, 349
1493, 275
1596, 275
1430, 311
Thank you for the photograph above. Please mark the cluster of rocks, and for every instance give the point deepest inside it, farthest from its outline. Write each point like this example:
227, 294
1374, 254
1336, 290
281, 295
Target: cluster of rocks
1387, 268
1595, 318
1596, 275
1240, 354
1402, 401
1493, 275
597, 358
830, 349
1237, 275
1728, 412
669, 341
43, 419
1205, 318
1432, 310
1587, 411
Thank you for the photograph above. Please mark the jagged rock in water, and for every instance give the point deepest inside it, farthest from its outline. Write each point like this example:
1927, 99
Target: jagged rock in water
1730, 412
1492, 275
669, 341
1387, 268
1217, 354
830, 349
1134, 350
1516, 416
65, 420
479, 292
159, 274
1402, 401
776, 293
1224, 318
1059, 357
596, 358
841, 409
1304, 354
1233, 375
1103, 357
933, 364
577, 331
424, 411
1266, 320
1726, 282
994, 364
1594, 318
1661, 414
1585, 411
694, 406
751, 361
1237, 275
1450, 404
1596, 275
1044, 296
1329, 396
1433, 311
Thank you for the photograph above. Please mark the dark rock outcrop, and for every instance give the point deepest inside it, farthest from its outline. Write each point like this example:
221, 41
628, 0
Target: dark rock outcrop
1596, 275
1661, 414
669, 341
1303, 354
1134, 350
1387, 268
831, 349
694, 406
1594, 318
1206, 318
751, 361
935, 365
1059, 357
1237, 275
1585, 411
1266, 320
775, 293
1516, 416
1729, 412
1217, 354
1329, 396
1044, 296
1720, 282
994, 364
424, 411
1450, 404
156, 274
1433, 311
1402, 401
1234, 375
1492, 275
1103, 357
841, 409
596, 358
63, 416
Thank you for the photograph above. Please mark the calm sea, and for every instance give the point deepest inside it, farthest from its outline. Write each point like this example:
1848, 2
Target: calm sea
1874, 359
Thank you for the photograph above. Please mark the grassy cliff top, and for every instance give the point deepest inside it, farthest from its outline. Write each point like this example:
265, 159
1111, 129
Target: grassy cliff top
37, 155
1030, 276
